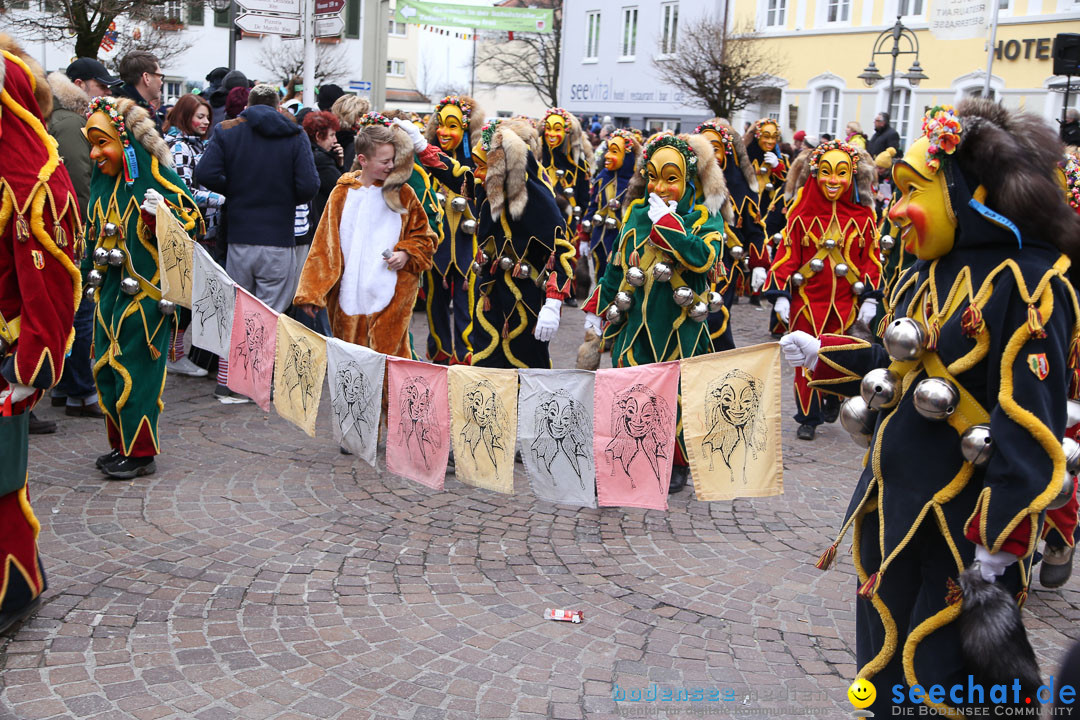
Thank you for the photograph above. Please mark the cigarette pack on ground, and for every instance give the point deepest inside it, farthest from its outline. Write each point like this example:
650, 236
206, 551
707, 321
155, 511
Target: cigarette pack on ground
574, 616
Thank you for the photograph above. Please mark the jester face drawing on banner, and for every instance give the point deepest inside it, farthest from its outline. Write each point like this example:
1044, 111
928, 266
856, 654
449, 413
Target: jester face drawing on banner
562, 429
300, 371
359, 401
732, 412
485, 423
417, 427
641, 426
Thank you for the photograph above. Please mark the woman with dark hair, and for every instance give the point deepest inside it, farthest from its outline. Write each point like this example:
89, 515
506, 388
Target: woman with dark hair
236, 101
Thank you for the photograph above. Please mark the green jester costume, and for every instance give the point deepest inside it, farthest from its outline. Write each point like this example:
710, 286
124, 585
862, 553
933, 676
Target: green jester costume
132, 323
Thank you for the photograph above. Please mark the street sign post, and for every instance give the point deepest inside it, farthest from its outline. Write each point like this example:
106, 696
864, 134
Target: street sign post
328, 7
268, 24
284, 7
328, 25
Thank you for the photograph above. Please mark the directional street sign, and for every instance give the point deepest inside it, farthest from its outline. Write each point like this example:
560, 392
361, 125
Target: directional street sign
328, 25
287, 7
328, 7
268, 24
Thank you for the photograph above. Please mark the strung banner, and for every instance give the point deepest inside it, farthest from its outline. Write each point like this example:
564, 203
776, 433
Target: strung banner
634, 434
213, 299
355, 376
731, 422
252, 348
483, 426
175, 250
555, 429
299, 369
417, 421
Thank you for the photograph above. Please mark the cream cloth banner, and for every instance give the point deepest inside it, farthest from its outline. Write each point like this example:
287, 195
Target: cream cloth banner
213, 301
355, 376
731, 422
175, 250
483, 425
299, 369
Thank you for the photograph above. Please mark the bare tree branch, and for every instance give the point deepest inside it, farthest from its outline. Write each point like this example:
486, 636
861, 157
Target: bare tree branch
530, 59
285, 59
165, 44
723, 70
86, 20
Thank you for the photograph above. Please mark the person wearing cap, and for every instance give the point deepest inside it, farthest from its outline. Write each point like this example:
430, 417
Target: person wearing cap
219, 97
797, 140
328, 95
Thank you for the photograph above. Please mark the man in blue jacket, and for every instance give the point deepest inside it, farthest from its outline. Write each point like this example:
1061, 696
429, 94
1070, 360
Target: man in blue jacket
261, 162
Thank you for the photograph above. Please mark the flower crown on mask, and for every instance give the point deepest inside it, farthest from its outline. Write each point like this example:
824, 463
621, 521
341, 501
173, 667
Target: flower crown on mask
820, 150
626, 135
465, 106
1072, 181
764, 121
722, 130
487, 132
373, 118
106, 106
561, 113
942, 128
671, 141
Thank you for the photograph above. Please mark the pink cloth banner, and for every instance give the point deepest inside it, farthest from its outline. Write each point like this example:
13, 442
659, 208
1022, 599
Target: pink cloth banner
417, 421
251, 348
634, 434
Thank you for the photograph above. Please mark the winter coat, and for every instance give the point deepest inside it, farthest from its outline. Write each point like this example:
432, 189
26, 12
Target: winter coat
329, 172
187, 150
66, 124
886, 137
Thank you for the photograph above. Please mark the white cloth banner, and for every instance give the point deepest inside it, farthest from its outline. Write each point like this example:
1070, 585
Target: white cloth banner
355, 376
555, 430
213, 300
959, 19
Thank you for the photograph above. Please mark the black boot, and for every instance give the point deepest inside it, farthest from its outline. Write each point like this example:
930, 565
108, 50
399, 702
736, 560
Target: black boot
126, 468
41, 427
806, 432
679, 476
107, 458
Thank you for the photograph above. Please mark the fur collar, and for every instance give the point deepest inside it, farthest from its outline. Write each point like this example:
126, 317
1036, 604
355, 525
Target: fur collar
745, 167
508, 167
69, 96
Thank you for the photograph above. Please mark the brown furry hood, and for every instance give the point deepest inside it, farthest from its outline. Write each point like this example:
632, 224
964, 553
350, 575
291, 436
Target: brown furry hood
42, 91
745, 167
403, 169
69, 96
142, 129
508, 163
865, 173
476, 121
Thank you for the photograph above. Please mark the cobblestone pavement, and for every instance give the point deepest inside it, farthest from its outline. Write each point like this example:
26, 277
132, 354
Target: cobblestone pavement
261, 574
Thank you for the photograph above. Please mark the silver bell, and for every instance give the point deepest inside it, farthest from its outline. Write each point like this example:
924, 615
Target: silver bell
440, 198
577, 211
523, 270
1072, 455
94, 278
614, 315
858, 287
611, 223
887, 243
935, 398
459, 204
568, 192
477, 268
879, 389
116, 257
166, 307
635, 276
613, 204
716, 301
482, 257
129, 285
88, 293
468, 226
661, 272
745, 264
797, 279
597, 218
623, 300
737, 253
101, 256
904, 339
777, 237
840, 270
560, 172
683, 296
110, 229
976, 445
505, 263
769, 187
1072, 413
817, 265
698, 311
829, 244
858, 419
586, 225
1068, 487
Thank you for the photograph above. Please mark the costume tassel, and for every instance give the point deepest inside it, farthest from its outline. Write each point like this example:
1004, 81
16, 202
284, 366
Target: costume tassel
886, 321
953, 593
22, 228
1021, 597
487, 304
826, 560
971, 322
59, 235
635, 259
1035, 323
933, 333
551, 262
506, 329
1074, 385
154, 353
869, 588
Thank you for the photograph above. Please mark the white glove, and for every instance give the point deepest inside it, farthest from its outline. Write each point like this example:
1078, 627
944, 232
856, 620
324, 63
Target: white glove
782, 307
658, 208
17, 392
151, 200
800, 349
757, 278
547, 320
868, 310
592, 322
771, 160
419, 143
992, 565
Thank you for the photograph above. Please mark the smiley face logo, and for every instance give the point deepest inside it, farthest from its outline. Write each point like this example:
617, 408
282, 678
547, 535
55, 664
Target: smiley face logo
862, 693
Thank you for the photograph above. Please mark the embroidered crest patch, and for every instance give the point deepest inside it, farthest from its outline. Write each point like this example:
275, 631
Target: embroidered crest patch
39, 259
1038, 364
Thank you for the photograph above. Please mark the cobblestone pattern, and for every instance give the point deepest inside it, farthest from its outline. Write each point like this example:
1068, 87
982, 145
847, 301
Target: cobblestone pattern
261, 574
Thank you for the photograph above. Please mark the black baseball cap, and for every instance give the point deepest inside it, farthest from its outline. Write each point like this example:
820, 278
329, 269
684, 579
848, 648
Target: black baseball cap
91, 69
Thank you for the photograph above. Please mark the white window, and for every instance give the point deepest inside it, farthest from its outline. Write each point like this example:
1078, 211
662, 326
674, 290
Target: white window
592, 35
900, 111
171, 11
829, 111
173, 89
775, 13
656, 125
395, 68
669, 27
398, 29
977, 91
628, 47
910, 8
837, 11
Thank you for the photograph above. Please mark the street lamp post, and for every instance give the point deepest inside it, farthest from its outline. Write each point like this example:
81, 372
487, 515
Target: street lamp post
902, 37
219, 6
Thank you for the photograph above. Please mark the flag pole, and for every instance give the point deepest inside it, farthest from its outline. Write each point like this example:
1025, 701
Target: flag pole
990, 47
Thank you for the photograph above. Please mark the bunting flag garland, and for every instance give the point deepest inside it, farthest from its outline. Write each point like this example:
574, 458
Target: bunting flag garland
252, 348
355, 378
555, 431
483, 425
634, 434
213, 299
299, 370
175, 251
417, 420
731, 422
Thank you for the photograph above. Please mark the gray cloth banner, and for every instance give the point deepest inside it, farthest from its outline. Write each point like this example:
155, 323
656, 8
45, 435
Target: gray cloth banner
355, 375
555, 434
213, 299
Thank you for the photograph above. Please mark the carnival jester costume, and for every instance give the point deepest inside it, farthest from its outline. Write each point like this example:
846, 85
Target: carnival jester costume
827, 271
39, 291
607, 195
964, 407
132, 323
655, 290
566, 158
771, 167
